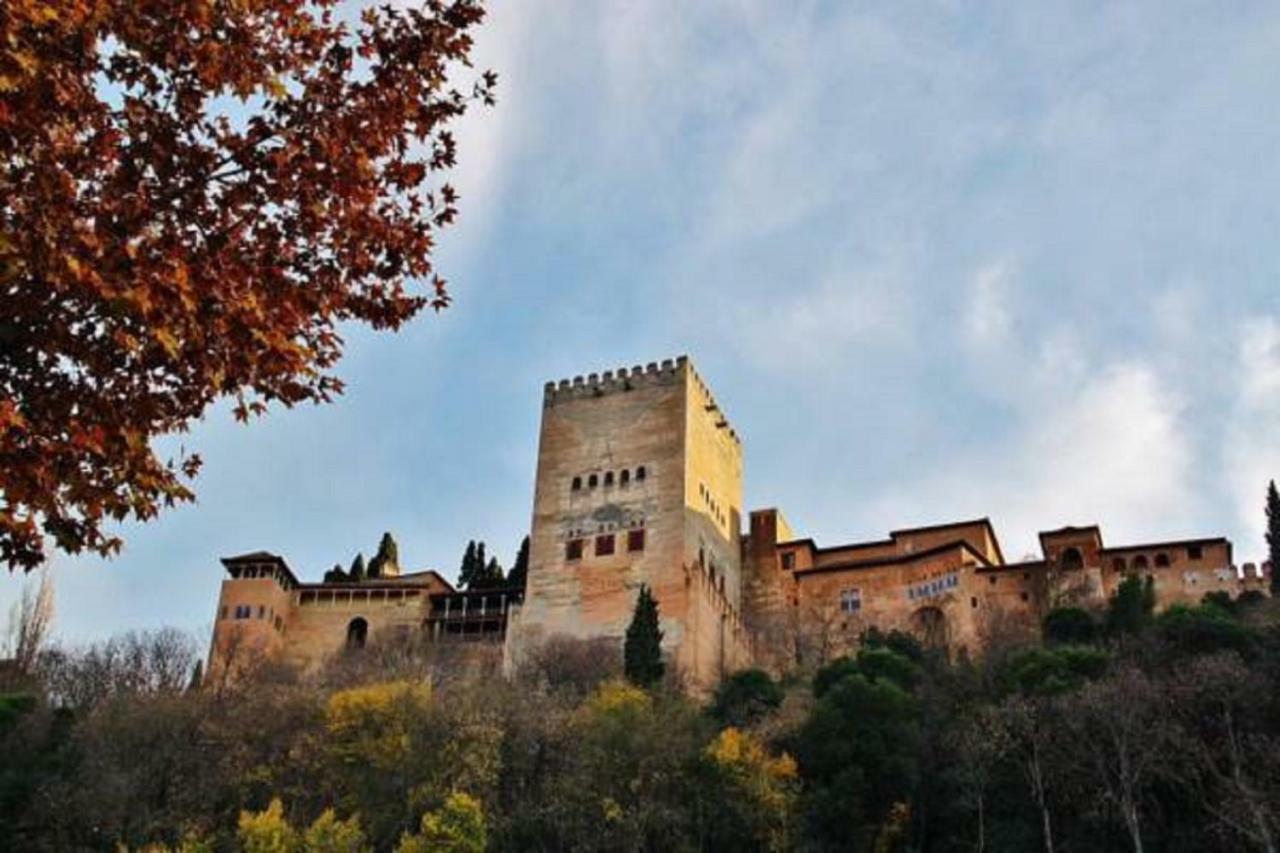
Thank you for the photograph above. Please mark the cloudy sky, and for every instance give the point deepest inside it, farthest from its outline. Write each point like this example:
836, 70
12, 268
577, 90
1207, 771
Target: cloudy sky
937, 260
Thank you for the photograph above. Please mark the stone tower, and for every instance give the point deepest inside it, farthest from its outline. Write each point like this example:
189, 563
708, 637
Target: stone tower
639, 481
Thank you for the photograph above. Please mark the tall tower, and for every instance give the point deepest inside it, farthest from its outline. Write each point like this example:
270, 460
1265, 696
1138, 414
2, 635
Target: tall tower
639, 482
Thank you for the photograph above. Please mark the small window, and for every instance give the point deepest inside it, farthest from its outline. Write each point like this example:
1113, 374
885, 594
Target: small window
262, 612
242, 611
635, 540
608, 478
624, 477
1118, 564
992, 580
1026, 597
1162, 560
222, 614
604, 545
788, 561
577, 484
850, 600
593, 481
279, 624
973, 602
1139, 562
640, 473
1195, 552
573, 549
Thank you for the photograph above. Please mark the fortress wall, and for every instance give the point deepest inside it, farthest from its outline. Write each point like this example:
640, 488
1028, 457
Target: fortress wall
712, 487
318, 629
606, 423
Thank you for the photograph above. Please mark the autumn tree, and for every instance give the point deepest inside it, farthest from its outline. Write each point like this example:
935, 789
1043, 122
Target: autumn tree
193, 196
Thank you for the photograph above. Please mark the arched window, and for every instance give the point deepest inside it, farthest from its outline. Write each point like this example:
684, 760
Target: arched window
1162, 560
593, 481
1139, 562
577, 483
624, 477
608, 478
640, 473
1072, 559
1118, 564
357, 633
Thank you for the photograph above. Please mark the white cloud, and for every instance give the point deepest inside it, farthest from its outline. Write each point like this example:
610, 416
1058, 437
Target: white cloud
1252, 450
988, 319
1113, 452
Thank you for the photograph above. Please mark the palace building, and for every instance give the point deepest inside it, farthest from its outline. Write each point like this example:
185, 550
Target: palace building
639, 482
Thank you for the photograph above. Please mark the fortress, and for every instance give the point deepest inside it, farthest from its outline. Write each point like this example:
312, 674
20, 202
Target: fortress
639, 482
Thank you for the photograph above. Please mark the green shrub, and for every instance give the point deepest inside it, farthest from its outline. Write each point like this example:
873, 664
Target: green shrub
1067, 626
745, 697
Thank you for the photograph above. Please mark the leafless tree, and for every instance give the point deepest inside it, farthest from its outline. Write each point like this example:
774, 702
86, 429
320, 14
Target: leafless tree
1026, 723
1217, 699
30, 619
564, 663
135, 663
980, 743
1123, 738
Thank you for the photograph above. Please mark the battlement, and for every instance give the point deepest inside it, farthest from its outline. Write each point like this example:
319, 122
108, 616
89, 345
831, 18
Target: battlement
630, 378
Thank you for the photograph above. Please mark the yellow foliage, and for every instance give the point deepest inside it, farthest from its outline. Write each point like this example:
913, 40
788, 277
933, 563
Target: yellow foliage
330, 835
618, 699
371, 725
456, 827
267, 831
766, 785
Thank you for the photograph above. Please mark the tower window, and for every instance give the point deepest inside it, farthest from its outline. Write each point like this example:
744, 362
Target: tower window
1072, 559
222, 614
788, 561
1195, 552
604, 545
640, 472
573, 549
973, 602
635, 540
1025, 597
593, 481
577, 484
243, 611
624, 477
850, 600
608, 478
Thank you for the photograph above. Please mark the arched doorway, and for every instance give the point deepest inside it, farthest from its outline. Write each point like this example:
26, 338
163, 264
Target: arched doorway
357, 633
930, 625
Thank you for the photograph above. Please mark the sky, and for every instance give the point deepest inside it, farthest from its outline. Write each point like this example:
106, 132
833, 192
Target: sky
936, 260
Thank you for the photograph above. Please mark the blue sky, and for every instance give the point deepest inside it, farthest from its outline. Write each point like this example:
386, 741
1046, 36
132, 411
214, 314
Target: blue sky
937, 260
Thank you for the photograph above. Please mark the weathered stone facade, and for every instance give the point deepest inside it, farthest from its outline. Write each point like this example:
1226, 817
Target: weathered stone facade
639, 482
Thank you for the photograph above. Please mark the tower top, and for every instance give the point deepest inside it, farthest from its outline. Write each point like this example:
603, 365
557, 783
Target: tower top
629, 379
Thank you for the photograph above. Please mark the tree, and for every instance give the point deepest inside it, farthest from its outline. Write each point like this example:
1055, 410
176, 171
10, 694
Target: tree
30, 618
193, 197
387, 560
1069, 626
356, 573
518, 577
1273, 536
1129, 610
469, 569
492, 577
642, 650
336, 575
745, 697
456, 827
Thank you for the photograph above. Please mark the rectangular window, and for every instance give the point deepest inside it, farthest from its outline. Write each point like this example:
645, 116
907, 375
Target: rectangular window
788, 561
635, 540
242, 611
1195, 552
604, 545
573, 549
223, 612
850, 600
262, 612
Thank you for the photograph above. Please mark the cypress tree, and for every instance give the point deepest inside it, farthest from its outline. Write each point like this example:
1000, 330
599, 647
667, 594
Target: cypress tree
518, 576
492, 577
336, 575
1273, 536
356, 572
642, 650
467, 571
387, 560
